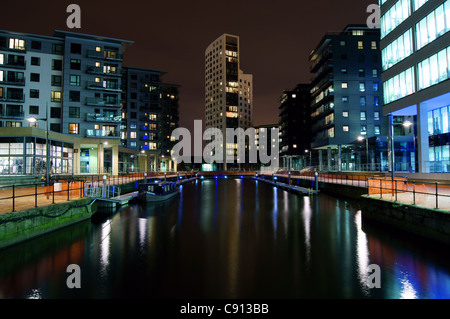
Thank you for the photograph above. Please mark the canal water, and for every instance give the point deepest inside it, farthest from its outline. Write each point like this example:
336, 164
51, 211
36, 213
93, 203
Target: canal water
231, 238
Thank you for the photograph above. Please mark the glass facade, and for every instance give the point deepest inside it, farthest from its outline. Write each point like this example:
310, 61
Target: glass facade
398, 13
439, 132
397, 50
434, 69
434, 25
399, 86
28, 155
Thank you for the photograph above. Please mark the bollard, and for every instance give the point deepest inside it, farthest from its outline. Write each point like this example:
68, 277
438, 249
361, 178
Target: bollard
145, 178
316, 180
104, 187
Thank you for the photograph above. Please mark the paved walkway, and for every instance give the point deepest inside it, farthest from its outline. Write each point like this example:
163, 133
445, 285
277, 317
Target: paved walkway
424, 194
38, 196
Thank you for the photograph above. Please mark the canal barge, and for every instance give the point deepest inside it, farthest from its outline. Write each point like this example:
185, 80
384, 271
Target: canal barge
157, 191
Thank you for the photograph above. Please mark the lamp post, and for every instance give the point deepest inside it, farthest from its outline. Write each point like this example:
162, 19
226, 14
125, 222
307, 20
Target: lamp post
362, 138
310, 159
32, 119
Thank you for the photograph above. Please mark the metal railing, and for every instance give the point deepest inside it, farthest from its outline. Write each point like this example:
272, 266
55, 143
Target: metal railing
422, 193
14, 198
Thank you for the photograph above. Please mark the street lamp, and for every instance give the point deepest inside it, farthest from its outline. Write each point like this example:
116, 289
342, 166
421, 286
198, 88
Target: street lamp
32, 119
310, 159
362, 138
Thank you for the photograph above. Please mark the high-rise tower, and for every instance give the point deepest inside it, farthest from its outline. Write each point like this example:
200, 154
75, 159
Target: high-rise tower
228, 92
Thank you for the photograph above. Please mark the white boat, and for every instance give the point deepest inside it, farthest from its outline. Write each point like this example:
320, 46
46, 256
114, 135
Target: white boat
157, 191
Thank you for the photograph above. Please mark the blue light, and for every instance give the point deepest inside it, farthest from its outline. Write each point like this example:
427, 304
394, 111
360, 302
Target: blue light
202, 177
225, 176
275, 178
242, 176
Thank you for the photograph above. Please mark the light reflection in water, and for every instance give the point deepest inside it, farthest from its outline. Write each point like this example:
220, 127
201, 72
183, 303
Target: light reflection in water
362, 252
105, 235
307, 215
275, 211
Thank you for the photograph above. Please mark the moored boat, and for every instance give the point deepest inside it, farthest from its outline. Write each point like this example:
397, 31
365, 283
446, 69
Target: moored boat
157, 191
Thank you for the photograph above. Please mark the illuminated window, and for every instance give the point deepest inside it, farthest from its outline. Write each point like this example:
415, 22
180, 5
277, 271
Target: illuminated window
345, 128
376, 116
374, 45
377, 130
74, 128
55, 96
345, 114
363, 129
362, 116
2, 58
344, 85
16, 44
98, 49
360, 45
362, 87
132, 134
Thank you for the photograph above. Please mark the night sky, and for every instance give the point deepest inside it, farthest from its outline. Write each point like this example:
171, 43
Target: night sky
276, 38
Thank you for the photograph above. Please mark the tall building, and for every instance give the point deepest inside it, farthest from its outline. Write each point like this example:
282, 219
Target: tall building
295, 126
148, 118
84, 103
415, 49
346, 99
228, 92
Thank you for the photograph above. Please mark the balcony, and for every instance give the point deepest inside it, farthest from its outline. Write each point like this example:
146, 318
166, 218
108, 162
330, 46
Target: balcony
105, 55
15, 65
100, 117
102, 133
94, 101
102, 71
14, 98
103, 86
13, 114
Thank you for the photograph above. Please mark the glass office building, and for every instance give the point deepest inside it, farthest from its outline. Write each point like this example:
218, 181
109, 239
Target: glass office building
415, 52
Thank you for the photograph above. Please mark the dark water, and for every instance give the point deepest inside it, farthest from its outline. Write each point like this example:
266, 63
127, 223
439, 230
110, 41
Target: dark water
228, 239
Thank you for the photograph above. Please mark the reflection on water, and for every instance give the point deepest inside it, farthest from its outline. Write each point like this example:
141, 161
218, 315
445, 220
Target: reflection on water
233, 238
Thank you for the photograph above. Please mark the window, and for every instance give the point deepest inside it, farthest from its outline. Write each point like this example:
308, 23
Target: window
36, 45
397, 50
56, 80
57, 48
343, 43
377, 130
344, 70
376, 116
374, 45
434, 25
55, 96
361, 73
360, 45
75, 48
399, 86
374, 73
362, 116
13, 124
34, 109
35, 61
362, 87
345, 114
34, 77
55, 112
17, 44
133, 125
132, 134
74, 112
34, 93
362, 101
345, 99
57, 65
75, 80
399, 12
375, 86
344, 85
74, 96
98, 49
2, 59
132, 144
376, 101
345, 128
363, 129
74, 128
435, 69
75, 64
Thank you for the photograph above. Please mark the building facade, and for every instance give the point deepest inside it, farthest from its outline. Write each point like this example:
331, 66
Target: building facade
228, 93
295, 126
149, 115
67, 103
415, 50
346, 101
